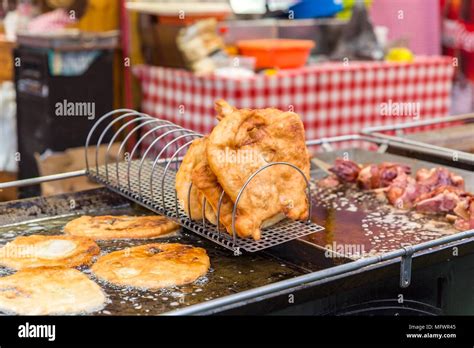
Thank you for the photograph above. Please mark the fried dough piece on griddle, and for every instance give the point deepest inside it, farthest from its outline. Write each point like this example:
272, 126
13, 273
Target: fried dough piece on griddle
120, 227
246, 140
207, 184
192, 158
153, 266
48, 251
209, 212
194, 155
45, 291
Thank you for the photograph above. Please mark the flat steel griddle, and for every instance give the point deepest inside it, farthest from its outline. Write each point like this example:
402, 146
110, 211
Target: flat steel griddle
226, 276
359, 225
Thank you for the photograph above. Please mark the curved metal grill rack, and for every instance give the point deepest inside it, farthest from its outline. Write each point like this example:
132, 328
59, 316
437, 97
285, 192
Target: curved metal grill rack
146, 175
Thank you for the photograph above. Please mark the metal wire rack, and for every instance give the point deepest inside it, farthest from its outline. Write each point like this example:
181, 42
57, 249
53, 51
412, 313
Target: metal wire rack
146, 175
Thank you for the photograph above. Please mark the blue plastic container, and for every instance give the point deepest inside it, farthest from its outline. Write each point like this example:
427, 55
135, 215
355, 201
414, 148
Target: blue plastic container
316, 8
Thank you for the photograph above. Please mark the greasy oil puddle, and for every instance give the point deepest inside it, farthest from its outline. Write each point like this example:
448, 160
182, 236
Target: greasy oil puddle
361, 224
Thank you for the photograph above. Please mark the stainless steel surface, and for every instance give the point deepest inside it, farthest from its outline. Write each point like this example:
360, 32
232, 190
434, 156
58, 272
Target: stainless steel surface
308, 279
249, 30
354, 217
407, 125
442, 152
46, 208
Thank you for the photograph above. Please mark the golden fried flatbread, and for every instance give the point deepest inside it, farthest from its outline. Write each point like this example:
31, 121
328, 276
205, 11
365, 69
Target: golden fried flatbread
43, 291
194, 155
209, 212
153, 266
206, 182
243, 142
48, 251
120, 227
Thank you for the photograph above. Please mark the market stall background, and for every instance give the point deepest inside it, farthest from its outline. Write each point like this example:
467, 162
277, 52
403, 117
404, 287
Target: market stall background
332, 98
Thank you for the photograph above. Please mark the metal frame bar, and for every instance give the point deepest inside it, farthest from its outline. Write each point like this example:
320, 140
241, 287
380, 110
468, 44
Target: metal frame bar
325, 143
41, 179
307, 280
124, 142
139, 142
420, 123
443, 152
169, 161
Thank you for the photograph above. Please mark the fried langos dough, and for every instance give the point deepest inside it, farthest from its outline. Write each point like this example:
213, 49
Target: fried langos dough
206, 182
243, 142
48, 251
191, 159
120, 227
194, 156
43, 291
153, 266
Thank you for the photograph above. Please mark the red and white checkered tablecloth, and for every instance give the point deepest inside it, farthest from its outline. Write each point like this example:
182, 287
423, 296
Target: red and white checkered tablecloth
331, 98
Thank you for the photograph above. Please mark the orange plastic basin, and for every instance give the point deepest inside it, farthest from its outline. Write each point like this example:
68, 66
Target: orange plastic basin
277, 53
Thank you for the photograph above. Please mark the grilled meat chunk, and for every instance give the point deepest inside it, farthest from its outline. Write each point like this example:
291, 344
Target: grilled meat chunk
434, 191
402, 191
345, 170
442, 199
464, 211
375, 176
430, 179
